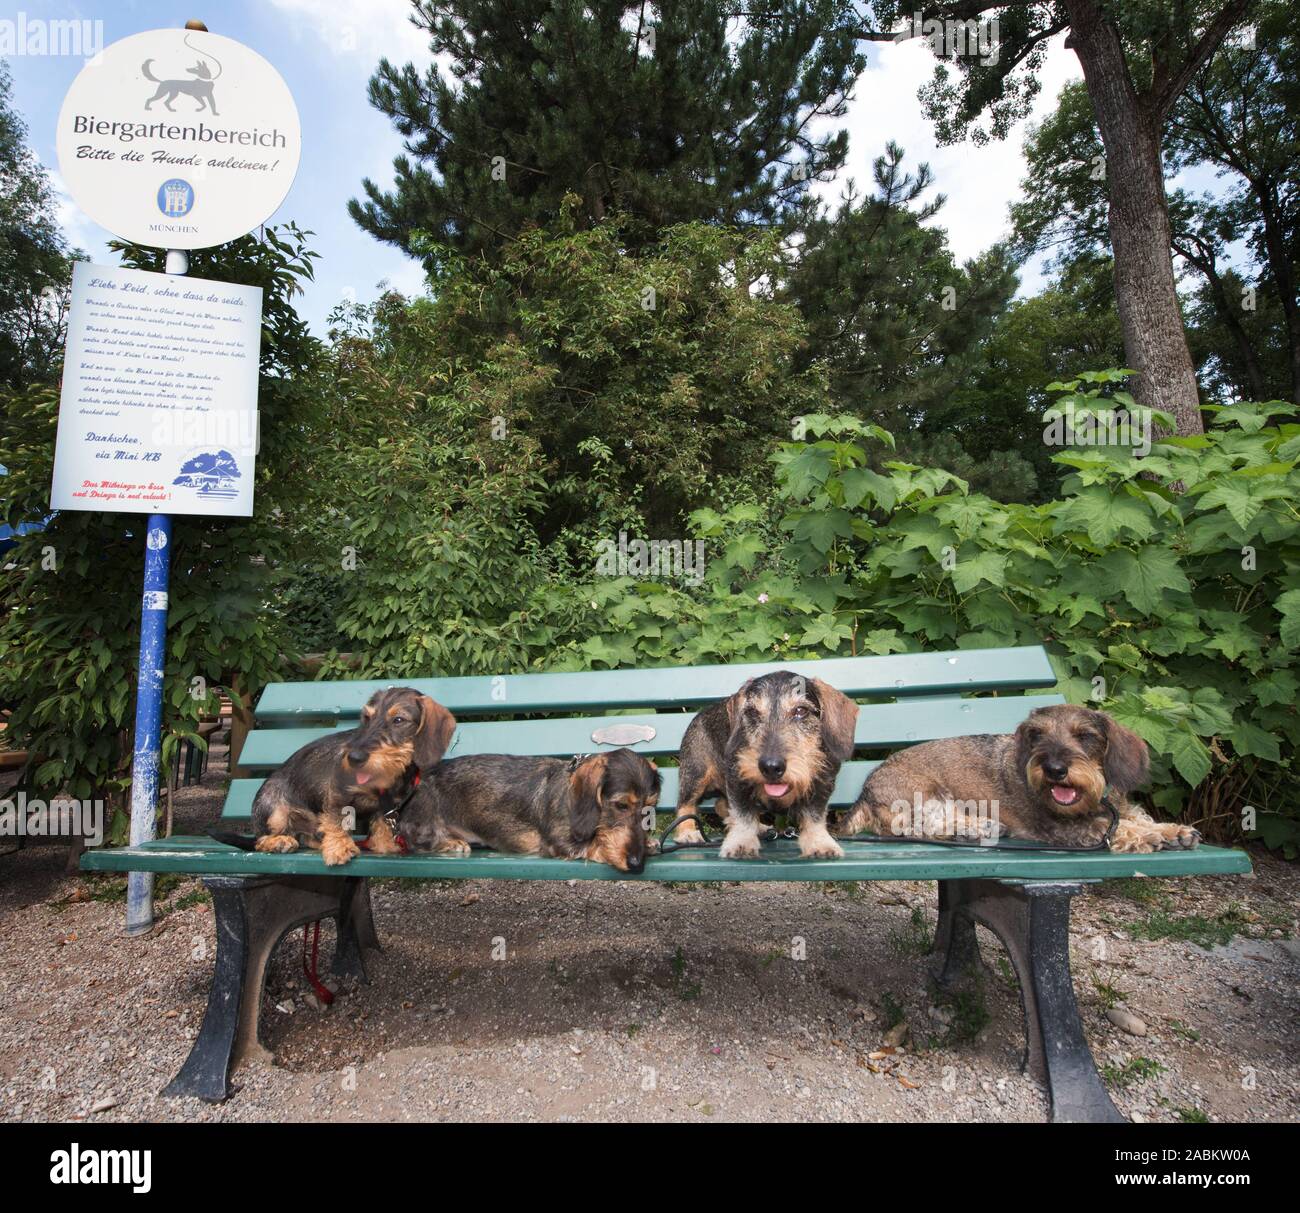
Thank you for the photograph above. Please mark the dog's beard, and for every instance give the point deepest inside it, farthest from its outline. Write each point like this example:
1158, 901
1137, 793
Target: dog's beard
801, 771
1078, 796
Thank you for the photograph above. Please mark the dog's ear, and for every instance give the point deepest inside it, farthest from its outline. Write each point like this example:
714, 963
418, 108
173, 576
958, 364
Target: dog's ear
735, 701
1024, 746
1127, 763
584, 797
839, 720
436, 728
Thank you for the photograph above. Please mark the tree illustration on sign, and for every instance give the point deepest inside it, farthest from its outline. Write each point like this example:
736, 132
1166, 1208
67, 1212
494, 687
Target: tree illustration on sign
213, 475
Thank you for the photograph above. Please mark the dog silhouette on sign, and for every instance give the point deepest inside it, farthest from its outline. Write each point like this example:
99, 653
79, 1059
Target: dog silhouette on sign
199, 88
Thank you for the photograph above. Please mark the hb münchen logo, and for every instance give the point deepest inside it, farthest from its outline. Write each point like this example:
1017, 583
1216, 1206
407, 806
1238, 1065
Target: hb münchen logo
175, 198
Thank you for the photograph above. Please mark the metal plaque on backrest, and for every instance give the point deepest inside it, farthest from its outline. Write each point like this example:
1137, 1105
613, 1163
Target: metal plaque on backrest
622, 734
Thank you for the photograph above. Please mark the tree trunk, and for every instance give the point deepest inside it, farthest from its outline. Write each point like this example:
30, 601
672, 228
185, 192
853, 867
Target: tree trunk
1155, 342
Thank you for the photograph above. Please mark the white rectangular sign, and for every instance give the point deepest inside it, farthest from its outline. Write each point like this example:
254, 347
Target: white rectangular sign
159, 406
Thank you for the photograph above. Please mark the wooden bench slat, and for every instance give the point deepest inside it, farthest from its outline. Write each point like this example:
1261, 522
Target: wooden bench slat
879, 725
780, 861
903, 674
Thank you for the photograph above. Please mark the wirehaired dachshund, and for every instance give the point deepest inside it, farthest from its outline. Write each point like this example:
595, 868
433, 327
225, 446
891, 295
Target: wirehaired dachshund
775, 746
1050, 781
373, 768
595, 807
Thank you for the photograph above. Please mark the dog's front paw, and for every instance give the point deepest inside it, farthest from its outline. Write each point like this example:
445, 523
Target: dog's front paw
337, 849
276, 844
1179, 838
453, 846
821, 848
740, 846
652, 846
815, 842
1132, 838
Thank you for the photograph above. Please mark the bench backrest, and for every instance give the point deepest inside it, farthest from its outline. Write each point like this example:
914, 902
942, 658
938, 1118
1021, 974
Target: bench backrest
906, 698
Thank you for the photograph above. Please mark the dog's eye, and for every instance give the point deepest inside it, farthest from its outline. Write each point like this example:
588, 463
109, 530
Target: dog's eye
800, 712
399, 719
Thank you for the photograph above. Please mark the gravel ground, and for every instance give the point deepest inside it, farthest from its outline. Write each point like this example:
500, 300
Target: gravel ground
628, 1001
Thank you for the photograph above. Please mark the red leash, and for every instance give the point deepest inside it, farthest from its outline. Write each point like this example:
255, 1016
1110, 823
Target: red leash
323, 992
309, 969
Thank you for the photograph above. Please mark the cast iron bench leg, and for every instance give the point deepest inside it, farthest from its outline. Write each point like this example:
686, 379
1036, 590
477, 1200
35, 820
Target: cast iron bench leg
252, 916
954, 936
356, 930
1033, 922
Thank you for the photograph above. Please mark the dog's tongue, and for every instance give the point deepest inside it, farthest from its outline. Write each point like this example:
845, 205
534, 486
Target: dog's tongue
1064, 794
362, 777
776, 790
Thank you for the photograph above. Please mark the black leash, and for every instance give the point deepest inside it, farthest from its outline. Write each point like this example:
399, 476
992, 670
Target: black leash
1103, 845
766, 834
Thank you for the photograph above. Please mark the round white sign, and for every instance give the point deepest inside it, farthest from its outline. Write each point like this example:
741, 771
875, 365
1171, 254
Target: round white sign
179, 139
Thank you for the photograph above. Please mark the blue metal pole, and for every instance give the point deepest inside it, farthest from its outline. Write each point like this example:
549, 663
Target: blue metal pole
145, 764
148, 716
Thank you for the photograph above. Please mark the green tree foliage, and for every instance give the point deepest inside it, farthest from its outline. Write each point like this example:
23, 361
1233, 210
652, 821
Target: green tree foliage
690, 109
70, 594
497, 431
678, 360
989, 428
35, 265
890, 315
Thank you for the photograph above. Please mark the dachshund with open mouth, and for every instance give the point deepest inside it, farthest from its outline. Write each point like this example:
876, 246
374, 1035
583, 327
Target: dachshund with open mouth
774, 747
373, 769
597, 807
1054, 781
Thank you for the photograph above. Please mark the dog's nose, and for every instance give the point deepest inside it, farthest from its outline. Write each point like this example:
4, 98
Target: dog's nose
1056, 770
636, 864
357, 757
772, 768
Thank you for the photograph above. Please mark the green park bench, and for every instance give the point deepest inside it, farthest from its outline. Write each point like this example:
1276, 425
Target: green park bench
1023, 896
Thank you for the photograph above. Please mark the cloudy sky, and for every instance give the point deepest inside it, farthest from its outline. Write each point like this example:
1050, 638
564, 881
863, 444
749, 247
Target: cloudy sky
326, 51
